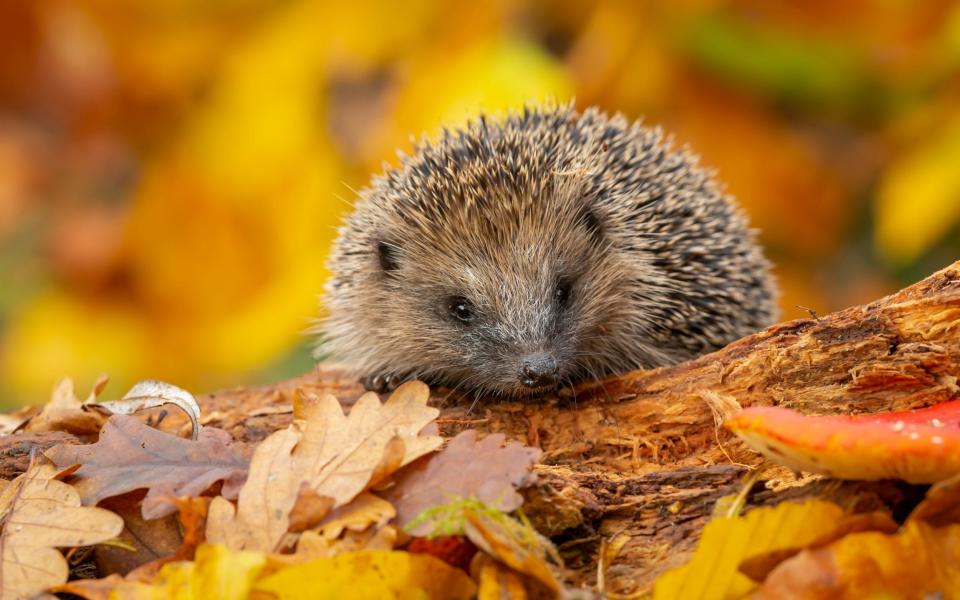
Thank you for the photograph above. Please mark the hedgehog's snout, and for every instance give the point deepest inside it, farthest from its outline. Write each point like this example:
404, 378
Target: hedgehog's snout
538, 370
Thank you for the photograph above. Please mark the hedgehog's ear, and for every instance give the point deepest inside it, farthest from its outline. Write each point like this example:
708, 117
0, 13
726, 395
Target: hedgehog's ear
387, 255
592, 222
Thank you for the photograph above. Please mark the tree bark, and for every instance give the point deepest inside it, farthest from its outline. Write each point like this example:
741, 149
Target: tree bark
643, 454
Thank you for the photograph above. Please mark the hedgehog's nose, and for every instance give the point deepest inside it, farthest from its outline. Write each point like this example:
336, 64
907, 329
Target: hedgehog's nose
538, 370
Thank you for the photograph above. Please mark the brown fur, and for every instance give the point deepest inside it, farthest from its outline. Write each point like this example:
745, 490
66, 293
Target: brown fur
659, 264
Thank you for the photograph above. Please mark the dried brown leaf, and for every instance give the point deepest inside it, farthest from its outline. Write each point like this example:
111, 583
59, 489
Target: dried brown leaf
144, 540
151, 394
192, 515
65, 412
364, 511
341, 453
337, 456
40, 515
261, 516
312, 544
516, 546
131, 455
483, 469
15, 420
310, 509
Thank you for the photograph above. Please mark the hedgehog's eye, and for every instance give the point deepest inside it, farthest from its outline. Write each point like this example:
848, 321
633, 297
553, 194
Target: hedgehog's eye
460, 309
561, 294
387, 254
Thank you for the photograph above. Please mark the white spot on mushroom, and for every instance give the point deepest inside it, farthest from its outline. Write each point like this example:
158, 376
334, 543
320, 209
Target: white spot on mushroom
936, 439
898, 426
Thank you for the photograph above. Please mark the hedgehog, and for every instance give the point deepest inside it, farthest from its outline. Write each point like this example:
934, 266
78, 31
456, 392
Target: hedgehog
517, 255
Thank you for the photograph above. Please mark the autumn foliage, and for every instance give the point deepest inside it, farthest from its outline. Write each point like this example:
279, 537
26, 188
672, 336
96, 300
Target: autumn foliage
333, 502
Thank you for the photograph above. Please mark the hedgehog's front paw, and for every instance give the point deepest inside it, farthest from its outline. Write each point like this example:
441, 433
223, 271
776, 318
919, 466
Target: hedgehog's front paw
382, 383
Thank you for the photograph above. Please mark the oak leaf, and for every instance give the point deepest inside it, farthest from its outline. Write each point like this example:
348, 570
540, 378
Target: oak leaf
336, 456
66, 412
341, 453
131, 455
312, 544
41, 514
364, 511
261, 516
484, 469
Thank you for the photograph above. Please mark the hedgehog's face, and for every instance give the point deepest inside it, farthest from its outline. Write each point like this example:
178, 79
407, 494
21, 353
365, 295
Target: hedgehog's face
509, 306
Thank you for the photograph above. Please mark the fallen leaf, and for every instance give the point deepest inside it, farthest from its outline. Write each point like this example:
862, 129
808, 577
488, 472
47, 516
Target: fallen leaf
261, 516
216, 572
192, 515
15, 420
366, 510
151, 394
309, 509
370, 574
41, 514
919, 562
516, 545
711, 573
312, 544
484, 469
496, 581
131, 455
339, 454
758, 567
65, 412
920, 446
149, 540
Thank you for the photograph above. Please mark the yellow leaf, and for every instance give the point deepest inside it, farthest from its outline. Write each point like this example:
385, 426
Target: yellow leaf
918, 200
712, 572
215, 573
514, 544
42, 514
497, 582
370, 574
918, 562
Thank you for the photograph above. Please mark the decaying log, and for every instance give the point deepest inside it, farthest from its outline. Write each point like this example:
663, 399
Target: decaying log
642, 454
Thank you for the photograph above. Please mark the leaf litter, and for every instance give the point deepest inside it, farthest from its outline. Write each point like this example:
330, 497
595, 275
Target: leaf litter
317, 501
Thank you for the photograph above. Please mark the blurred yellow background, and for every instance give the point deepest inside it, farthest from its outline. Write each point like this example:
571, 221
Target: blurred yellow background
172, 171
